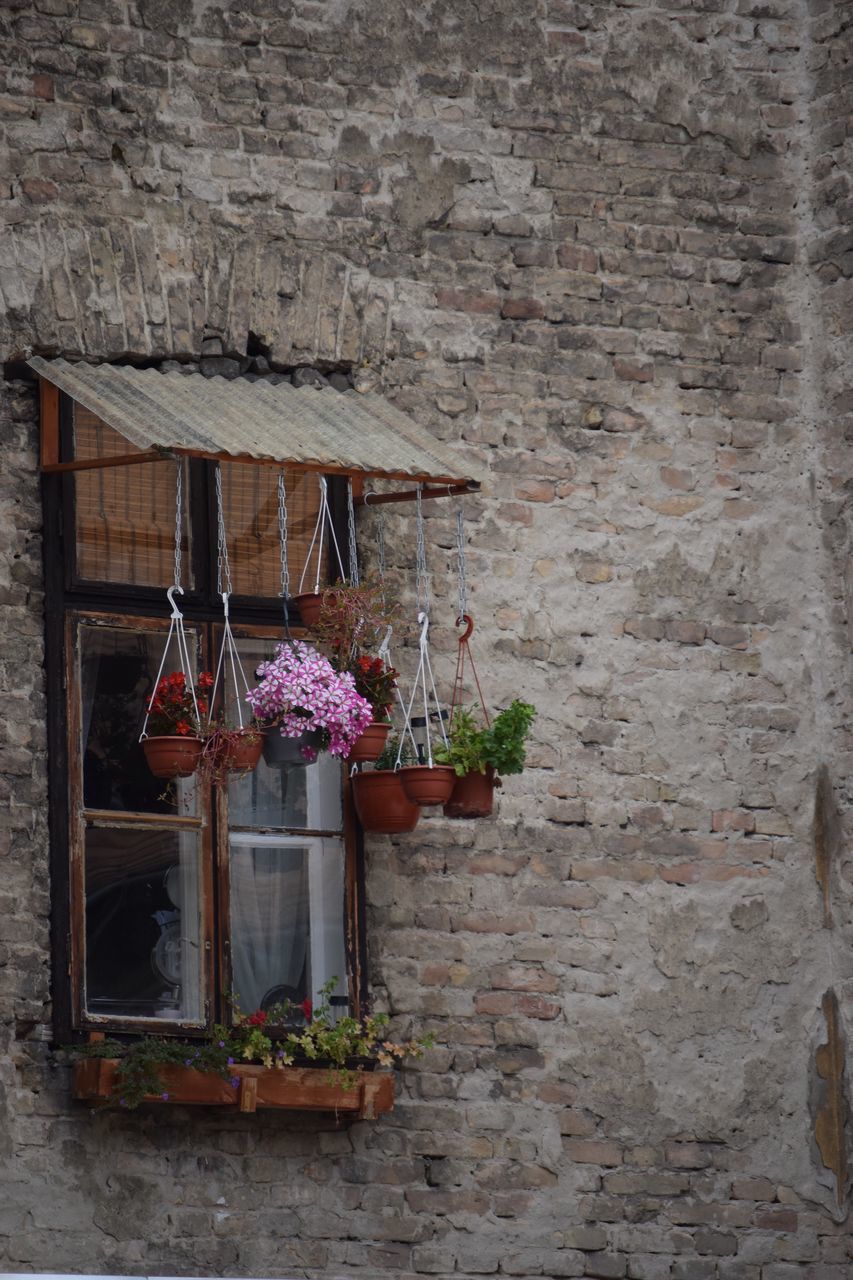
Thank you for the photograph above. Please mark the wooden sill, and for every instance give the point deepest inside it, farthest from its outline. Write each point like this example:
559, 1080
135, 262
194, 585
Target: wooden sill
287, 1088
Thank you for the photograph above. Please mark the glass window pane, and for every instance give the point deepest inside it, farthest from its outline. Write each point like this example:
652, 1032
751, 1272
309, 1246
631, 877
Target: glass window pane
125, 516
143, 930
279, 794
250, 501
287, 934
117, 671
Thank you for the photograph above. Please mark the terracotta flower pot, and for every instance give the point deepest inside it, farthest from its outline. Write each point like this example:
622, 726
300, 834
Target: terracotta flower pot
244, 753
381, 803
279, 751
472, 796
371, 743
172, 756
425, 784
309, 604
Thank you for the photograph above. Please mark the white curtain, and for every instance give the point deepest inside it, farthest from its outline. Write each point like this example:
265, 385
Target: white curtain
270, 918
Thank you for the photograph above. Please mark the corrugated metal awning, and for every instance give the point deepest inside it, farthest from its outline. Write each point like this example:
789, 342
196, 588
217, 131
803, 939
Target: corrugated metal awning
319, 429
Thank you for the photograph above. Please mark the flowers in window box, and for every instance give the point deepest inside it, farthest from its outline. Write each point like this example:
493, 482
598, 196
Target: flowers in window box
300, 691
285, 1035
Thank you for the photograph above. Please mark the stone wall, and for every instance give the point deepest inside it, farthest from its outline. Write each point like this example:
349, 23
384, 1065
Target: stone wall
603, 247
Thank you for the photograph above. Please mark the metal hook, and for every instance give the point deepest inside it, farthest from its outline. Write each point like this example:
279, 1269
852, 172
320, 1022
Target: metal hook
365, 497
170, 596
468, 622
423, 619
225, 595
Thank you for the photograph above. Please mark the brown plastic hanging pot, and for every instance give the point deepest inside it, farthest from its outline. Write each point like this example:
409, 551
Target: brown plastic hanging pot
244, 751
370, 745
169, 756
382, 804
309, 604
428, 784
473, 795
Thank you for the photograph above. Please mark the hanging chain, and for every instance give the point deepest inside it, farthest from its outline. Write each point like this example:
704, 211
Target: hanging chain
380, 543
282, 538
179, 512
460, 564
353, 550
223, 569
422, 576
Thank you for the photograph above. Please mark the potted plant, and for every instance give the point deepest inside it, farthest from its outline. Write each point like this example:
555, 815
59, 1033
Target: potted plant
479, 754
298, 1056
351, 625
227, 751
379, 797
376, 682
299, 692
173, 742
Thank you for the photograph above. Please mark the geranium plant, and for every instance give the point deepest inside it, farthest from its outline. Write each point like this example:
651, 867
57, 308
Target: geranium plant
276, 1038
299, 691
376, 682
171, 711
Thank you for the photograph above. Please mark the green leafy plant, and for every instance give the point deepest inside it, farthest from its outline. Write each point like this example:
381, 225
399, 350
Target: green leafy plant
274, 1038
473, 746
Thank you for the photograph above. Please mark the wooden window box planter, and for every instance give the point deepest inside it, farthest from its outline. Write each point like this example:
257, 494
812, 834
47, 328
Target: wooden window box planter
287, 1088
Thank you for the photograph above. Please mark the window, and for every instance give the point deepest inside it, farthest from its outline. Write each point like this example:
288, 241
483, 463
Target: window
170, 898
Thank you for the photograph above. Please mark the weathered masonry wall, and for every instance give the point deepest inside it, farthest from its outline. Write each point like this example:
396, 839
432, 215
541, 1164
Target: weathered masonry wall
605, 247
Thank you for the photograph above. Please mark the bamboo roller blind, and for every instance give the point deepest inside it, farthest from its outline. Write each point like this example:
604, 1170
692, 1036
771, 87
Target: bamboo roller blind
125, 517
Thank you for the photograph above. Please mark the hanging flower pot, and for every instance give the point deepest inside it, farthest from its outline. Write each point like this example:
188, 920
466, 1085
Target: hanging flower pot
280, 752
299, 691
310, 606
370, 745
172, 756
382, 804
428, 784
243, 750
473, 795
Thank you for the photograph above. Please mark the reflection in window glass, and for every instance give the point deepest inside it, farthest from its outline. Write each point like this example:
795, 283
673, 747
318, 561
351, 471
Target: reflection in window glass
250, 498
286, 918
117, 669
143, 958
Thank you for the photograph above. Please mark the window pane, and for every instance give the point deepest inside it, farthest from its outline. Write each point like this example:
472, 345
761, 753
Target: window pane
250, 501
117, 671
279, 794
287, 902
143, 952
125, 515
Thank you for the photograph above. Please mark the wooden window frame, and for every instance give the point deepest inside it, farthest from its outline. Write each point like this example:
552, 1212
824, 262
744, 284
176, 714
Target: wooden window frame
69, 599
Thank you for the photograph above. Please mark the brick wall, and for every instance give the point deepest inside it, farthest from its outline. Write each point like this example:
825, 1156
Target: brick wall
605, 248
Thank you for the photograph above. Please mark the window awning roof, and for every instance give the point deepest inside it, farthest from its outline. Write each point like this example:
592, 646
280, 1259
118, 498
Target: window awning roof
315, 429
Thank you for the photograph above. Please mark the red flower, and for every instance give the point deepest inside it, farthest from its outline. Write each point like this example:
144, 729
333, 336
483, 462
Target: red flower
307, 1007
205, 680
256, 1019
182, 728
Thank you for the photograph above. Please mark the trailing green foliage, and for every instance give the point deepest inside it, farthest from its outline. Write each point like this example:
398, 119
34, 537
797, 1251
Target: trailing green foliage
472, 746
268, 1037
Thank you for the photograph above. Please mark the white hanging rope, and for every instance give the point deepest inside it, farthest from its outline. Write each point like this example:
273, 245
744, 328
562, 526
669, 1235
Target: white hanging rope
324, 517
423, 674
223, 569
176, 624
